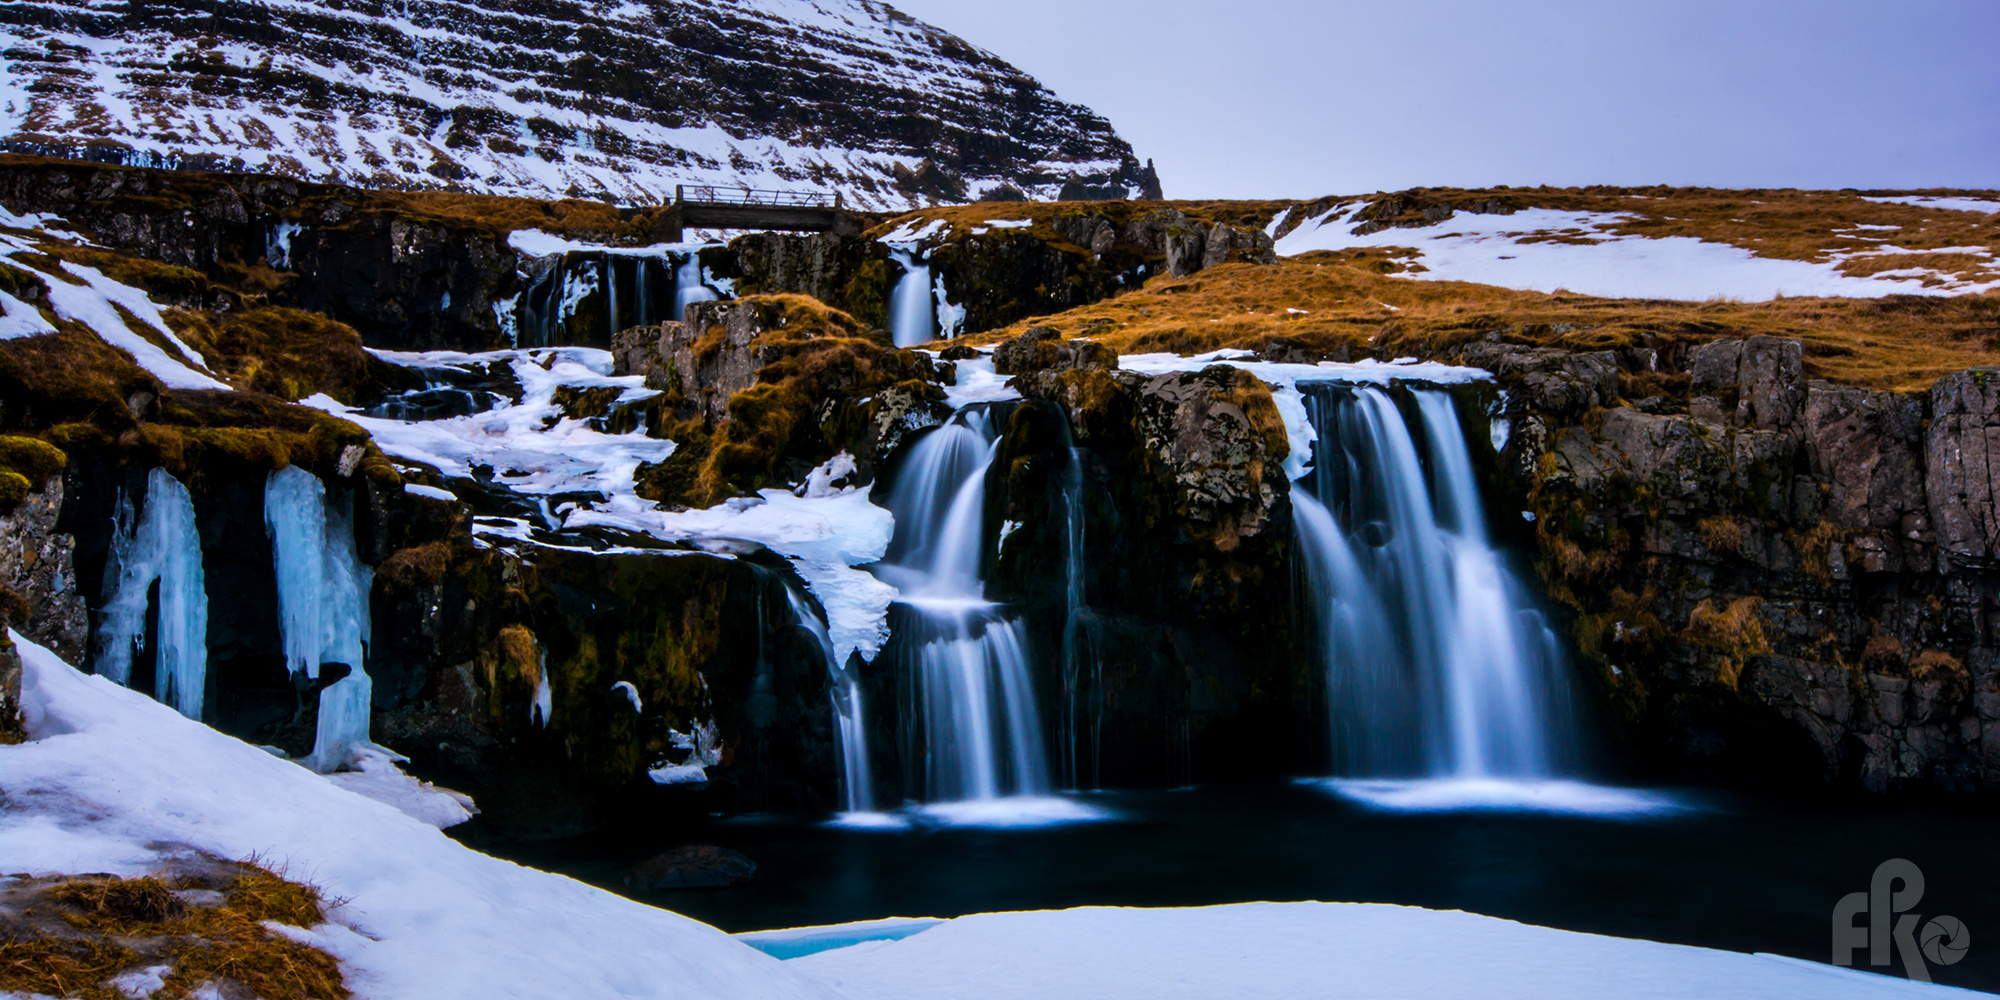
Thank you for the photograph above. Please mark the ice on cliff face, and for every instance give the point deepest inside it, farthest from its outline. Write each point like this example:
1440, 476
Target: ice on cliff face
322, 605
157, 544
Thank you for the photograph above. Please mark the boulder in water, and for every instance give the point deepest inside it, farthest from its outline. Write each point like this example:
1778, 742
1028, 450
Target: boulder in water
698, 866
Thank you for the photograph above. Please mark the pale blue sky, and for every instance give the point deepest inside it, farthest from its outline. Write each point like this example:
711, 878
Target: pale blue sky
1281, 98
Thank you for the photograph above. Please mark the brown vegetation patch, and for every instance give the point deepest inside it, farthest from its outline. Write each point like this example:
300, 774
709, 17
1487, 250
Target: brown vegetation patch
289, 353
69, 937
1349, 309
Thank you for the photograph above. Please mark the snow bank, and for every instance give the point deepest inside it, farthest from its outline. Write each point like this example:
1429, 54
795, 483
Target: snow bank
1949, 204
1491, 250
111, 772
84, 295
1259, 951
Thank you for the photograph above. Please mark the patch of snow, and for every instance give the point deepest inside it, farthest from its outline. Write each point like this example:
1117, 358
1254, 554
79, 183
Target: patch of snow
915, 231
1010, 223
109, 772
19, 319
428, 492
1985, 205
1490, 250
139, 984
377, 776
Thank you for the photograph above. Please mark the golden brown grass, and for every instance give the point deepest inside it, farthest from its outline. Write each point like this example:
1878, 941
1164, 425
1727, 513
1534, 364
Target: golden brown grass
120, 924
1817, 226
1334, 303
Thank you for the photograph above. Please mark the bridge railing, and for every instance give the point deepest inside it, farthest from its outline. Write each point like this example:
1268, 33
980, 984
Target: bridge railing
708, 195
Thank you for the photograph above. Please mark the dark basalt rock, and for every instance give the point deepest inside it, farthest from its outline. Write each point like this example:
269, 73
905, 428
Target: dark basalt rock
1042, 348
695, 867
1789, 582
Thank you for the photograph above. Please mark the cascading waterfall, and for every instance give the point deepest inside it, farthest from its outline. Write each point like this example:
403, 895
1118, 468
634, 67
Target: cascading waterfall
688, 288
160, 546
912, 314
857, 782
1437, 664
322, 605
982, 733
1075, 648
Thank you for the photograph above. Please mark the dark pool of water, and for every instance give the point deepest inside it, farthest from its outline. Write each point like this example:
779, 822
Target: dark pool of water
1737, 873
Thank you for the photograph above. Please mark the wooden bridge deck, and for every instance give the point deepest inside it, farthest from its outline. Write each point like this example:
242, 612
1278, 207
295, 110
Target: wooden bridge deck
740, 208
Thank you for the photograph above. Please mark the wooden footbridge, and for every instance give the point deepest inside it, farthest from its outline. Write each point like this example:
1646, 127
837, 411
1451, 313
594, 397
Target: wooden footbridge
706, 207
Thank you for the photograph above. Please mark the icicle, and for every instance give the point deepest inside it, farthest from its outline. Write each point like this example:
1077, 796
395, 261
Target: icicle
322, 605
161, 545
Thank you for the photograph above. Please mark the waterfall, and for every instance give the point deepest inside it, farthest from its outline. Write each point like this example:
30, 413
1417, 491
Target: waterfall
1437, 664
322, 605
982, 732
688, 288
912, 316
857, 782
160, 546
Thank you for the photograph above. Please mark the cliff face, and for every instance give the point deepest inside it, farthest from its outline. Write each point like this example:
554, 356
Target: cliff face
1773, 578
552, 99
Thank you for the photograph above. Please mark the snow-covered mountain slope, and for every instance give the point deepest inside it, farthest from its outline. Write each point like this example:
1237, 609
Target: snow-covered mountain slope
547, 98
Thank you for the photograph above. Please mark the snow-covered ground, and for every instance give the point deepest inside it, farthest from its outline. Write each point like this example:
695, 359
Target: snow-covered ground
1310, 951
86, 296
1514, 251
113, 781
537, 451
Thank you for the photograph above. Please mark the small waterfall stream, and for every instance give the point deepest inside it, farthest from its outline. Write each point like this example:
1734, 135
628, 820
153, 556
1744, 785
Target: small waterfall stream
912, 313
1437, 664
688, 287
982, 734
857, 783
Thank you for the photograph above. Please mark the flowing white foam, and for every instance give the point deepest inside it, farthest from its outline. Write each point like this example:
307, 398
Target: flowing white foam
1015, 812
1441, 795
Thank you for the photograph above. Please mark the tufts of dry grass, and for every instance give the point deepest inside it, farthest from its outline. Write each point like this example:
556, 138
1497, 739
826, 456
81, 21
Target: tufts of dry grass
75, 935
1344, 306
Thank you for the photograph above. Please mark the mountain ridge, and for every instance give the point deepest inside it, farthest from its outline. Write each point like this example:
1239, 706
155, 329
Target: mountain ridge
551, 99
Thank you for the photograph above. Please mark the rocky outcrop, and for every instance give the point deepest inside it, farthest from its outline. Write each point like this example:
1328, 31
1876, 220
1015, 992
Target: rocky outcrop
1962, 468
760, 391
1042, 348
12, 727
36, 569
1777, 579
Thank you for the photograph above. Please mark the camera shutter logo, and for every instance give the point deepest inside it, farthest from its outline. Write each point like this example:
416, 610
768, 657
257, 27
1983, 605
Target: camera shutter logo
1896, 889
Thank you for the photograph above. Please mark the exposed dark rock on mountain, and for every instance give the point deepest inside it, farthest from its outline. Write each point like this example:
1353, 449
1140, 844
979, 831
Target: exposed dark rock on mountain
618, 101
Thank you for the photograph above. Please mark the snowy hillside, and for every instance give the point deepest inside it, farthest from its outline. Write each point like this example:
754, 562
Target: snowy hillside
1685, 245
550, 100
